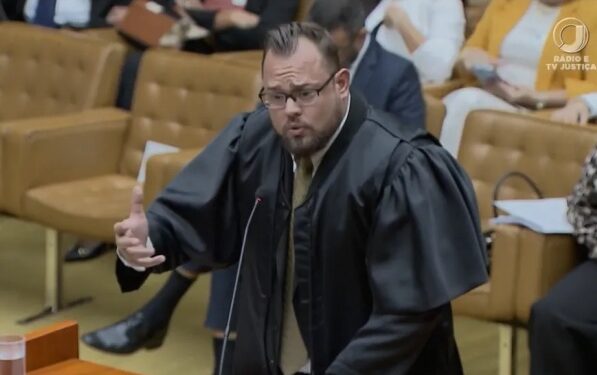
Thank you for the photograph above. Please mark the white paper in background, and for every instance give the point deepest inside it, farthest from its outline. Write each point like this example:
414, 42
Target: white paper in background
153, 148
541, 215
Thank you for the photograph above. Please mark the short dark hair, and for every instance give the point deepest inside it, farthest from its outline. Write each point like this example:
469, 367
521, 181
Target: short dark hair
283, 40
333, 14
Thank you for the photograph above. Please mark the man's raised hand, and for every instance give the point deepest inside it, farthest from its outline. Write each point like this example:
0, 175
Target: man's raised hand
131, 236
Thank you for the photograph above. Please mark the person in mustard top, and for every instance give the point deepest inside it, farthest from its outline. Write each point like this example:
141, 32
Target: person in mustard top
526, 55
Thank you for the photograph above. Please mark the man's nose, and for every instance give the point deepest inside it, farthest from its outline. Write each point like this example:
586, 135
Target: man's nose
292, 108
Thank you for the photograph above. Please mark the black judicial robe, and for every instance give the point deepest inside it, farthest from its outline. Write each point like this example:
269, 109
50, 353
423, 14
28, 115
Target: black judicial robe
387, 236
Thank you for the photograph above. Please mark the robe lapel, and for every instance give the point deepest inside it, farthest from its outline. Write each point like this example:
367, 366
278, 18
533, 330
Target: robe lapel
356, 116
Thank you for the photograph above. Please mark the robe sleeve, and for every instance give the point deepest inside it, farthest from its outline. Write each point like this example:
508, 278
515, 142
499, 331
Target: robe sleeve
196, 216
426, 248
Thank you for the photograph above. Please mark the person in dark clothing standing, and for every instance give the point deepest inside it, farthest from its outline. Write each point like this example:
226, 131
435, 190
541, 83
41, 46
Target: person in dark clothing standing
389, 83
343, 210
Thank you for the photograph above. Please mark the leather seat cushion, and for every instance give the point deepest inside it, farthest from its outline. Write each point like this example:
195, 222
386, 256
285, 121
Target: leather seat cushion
88, 207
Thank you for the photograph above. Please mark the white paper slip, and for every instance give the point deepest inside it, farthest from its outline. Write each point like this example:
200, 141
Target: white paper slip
153, 148
541, 215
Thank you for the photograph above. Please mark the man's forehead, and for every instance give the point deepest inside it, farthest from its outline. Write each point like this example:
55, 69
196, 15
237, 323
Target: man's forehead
306, 59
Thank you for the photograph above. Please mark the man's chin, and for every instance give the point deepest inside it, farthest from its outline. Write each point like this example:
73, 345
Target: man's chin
300, 147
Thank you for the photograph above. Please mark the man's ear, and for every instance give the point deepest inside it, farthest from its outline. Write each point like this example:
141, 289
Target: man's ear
342, 81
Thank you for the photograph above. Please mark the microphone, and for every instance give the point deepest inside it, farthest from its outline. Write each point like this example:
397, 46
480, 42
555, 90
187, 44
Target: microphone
258, 200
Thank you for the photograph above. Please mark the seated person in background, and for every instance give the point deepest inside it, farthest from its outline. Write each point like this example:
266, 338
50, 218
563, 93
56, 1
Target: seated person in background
510, 52
428, 32
563, 325
578, 110
62, 13
389, 83
236, 25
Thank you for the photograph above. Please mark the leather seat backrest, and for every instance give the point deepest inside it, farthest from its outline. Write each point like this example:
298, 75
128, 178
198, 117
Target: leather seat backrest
184, 100
47, 72
551, 154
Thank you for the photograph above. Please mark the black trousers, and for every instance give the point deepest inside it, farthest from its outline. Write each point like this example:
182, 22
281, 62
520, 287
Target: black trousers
563, 326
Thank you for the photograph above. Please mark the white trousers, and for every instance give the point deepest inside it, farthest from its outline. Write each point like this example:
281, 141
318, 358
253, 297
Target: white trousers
458, 105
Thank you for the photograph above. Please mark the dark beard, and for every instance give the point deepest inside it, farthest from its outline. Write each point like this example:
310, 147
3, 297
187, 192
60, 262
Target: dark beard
306, 146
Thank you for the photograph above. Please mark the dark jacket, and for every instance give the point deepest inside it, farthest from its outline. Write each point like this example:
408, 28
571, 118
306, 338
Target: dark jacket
391, 83
271, 12
3, 16
15, 10
387, 236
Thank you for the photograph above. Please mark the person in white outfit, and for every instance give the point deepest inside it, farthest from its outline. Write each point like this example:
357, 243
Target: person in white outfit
430, 33
518, 79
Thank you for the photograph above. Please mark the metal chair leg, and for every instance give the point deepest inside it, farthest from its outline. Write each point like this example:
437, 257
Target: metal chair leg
54, 298
507, 350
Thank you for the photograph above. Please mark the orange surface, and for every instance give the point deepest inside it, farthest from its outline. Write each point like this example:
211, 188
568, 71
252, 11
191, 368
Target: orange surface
78, 367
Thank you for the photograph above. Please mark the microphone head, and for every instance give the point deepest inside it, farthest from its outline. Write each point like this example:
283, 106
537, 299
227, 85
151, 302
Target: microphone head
259, 193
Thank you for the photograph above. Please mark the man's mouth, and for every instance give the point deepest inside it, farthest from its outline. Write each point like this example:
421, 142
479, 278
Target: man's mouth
297, 130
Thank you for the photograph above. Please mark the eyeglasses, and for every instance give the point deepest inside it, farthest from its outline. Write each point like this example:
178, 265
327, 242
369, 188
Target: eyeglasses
305, 97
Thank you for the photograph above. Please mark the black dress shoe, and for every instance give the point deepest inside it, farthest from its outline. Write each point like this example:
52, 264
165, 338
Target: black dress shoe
81, 252
128, 335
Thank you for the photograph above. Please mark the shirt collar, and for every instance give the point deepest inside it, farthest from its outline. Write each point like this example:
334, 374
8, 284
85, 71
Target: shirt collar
355, 64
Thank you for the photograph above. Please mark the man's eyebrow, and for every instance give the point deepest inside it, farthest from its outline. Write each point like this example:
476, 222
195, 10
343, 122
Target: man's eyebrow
293, 87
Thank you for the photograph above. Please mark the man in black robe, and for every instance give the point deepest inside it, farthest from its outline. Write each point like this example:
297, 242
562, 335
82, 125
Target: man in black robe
384, 232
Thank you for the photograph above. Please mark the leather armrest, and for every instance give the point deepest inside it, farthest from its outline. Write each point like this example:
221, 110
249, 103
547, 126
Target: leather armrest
161, 169
503, 274
440, 90
543, 261
46, 150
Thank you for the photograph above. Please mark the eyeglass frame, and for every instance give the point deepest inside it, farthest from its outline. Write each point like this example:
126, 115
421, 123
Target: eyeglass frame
292, 96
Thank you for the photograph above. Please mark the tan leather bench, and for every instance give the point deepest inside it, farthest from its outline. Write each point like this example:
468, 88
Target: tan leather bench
46, 75
524, 264
180, 99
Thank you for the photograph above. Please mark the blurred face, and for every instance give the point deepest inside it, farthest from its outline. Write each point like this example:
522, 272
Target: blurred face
348, 45
305, 98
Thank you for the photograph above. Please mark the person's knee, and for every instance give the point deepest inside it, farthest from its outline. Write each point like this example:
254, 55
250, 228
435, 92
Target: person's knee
468, 97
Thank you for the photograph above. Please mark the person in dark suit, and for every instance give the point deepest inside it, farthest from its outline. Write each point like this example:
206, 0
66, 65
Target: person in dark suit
389, 82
